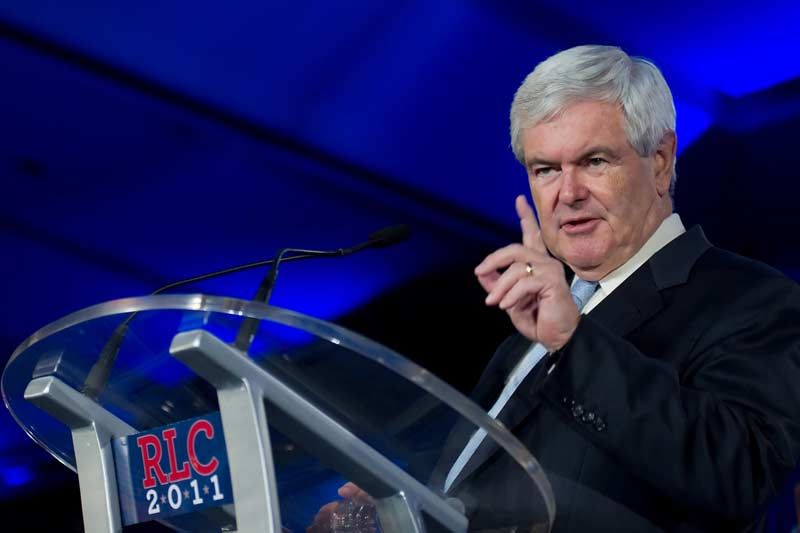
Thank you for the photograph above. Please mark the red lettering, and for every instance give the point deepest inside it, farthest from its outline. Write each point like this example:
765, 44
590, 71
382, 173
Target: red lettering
210, 467
151, 462
175, 474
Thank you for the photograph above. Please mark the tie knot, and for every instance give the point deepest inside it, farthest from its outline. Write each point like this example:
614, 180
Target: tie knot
582, 290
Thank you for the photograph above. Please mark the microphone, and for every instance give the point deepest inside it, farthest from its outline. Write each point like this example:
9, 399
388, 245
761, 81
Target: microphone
384, 237
98, 376
379, 239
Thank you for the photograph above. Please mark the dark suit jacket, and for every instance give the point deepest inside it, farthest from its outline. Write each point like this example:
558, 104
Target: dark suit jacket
677, 400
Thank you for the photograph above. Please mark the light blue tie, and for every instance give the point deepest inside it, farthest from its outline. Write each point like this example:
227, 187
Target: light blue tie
581, 291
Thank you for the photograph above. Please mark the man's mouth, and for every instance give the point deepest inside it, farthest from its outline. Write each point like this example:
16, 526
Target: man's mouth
577, 226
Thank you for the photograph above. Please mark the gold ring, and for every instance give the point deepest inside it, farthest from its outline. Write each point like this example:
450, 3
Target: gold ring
529, 269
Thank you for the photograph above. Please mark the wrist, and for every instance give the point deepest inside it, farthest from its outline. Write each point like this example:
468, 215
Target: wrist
562, 343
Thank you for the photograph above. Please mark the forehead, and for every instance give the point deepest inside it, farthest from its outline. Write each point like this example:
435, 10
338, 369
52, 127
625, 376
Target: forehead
579, 127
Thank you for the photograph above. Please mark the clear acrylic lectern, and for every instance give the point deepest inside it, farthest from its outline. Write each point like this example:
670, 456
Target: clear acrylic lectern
310, 407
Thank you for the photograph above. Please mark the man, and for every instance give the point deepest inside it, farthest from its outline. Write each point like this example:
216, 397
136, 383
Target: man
669, 388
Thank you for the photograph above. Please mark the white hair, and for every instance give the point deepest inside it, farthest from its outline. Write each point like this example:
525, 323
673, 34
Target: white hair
597, 73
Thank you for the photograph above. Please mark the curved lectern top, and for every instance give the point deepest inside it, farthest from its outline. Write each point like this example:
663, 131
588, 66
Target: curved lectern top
339, 407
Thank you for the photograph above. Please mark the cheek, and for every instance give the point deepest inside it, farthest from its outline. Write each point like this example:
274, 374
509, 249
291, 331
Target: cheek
544, 215
627, 206
550, 237
619, 197
547, 223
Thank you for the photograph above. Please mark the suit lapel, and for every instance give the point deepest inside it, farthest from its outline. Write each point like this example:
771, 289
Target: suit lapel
485, 394
518, 407
632, 303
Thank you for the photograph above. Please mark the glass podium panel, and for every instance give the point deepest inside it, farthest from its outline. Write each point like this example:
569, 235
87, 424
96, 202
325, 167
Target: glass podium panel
416, 421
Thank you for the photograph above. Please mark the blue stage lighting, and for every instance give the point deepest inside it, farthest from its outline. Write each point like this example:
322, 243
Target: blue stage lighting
15, 476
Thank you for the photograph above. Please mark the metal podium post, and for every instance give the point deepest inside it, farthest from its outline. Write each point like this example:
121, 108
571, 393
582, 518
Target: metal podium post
241, 406
92, 429
240, 377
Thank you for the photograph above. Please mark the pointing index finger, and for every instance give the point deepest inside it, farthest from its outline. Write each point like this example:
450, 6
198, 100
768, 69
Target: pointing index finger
531, 236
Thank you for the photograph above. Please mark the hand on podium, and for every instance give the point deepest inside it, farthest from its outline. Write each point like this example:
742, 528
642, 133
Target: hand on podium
355, 513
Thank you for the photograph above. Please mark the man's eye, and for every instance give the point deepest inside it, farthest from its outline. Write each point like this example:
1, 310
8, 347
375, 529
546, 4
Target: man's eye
596, 161
541, 172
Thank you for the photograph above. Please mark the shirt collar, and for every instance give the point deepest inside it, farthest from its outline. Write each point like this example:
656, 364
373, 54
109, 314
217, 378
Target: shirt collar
670, 227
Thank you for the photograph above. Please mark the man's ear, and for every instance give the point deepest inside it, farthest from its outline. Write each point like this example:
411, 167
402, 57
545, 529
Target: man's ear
663, 160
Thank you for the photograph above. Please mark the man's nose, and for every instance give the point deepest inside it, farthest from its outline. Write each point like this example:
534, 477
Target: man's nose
572, 188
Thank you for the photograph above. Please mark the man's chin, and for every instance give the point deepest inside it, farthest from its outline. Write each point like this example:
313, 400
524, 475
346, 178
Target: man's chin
586, 264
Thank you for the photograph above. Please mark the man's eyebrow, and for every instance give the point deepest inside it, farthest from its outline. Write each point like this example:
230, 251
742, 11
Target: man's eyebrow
594, 150
539, 161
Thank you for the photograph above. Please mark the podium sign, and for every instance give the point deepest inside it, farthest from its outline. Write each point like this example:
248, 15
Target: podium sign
174, 469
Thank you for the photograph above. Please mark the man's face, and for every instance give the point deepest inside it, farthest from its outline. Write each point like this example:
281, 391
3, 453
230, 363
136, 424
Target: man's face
597, 200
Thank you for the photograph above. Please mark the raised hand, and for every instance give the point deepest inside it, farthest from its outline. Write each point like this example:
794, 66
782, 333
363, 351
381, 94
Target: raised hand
531, 288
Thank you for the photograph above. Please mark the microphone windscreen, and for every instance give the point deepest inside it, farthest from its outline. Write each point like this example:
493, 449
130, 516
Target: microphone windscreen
390, 235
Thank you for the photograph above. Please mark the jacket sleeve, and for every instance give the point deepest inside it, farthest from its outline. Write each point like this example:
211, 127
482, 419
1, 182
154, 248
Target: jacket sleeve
717, 432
